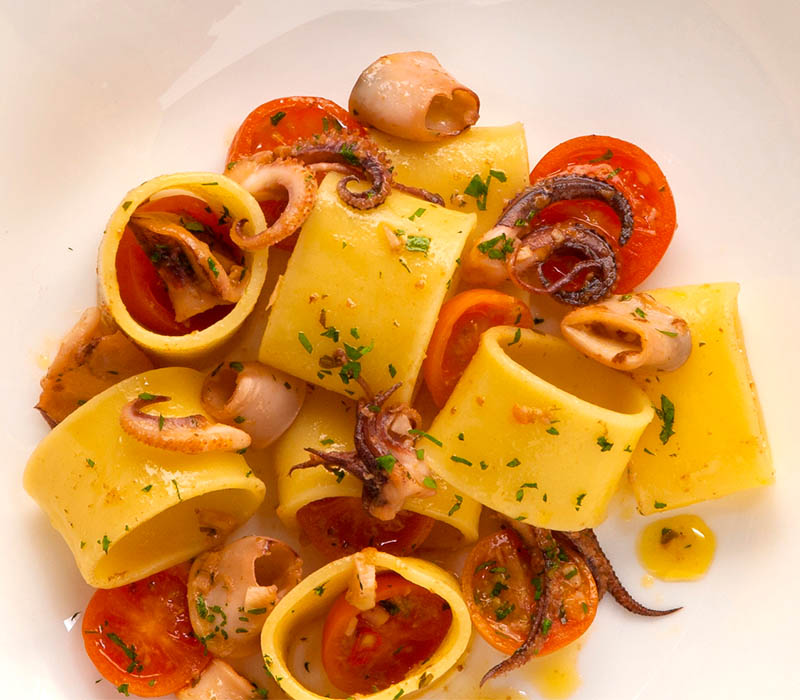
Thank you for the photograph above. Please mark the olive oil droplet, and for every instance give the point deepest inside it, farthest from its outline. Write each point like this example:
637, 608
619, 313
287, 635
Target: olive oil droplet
679, 548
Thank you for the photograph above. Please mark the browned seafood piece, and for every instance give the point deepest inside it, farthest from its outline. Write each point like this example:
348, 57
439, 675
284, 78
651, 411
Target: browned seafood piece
384, 459
266, 177
630, 332
233, 589
218, 681
188, 434
93, 356
412, 96
196, 278
255, 398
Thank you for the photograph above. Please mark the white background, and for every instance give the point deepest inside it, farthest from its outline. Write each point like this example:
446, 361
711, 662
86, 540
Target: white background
99, 96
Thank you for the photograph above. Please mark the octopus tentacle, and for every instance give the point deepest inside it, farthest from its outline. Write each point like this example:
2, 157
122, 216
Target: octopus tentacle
534, 538
542, 194
188, 434
353, 151
585, 541
486, 261
196, 278
571, 238
431, 197
264, 176
384, 458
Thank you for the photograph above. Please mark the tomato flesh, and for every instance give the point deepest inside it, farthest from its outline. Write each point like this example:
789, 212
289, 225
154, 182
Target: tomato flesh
287, 120
340, 526
455, 338
141, 288
638, 177
380, 650
139, 636
501, 586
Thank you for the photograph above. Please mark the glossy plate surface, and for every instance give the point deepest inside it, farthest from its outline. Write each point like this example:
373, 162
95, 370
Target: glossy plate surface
102, 96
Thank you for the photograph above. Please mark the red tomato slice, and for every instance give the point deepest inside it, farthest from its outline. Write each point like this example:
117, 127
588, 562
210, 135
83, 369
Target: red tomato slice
140, 638
406, 626
501, 588
142, 290
638, 177
284, 122
340, 526
455, 338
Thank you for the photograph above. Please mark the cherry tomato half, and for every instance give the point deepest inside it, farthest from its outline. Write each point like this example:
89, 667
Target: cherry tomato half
455, 338
340, 526
501, 588
284, 122
140, 638
143, 291
405, 627
638, 177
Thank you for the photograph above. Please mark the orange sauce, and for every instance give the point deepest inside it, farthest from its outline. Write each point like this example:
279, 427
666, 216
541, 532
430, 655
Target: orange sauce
679, 548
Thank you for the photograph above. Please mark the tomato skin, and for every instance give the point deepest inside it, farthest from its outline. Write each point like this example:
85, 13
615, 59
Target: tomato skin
376, 656
141, 288
455, 338
498, 586
340, 526
302, 119
140, 634
638, 177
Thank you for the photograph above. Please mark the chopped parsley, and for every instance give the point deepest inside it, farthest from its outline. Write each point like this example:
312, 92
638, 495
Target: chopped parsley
604, 444
105, 543
670, 334
479, 188
521, 493
579, 501
331, 333
319, 590
490, 248
275, 118
90, 462
552, 430
460, 460
513, 463
418, 244
239, 419
517, 336
126, 204
639, 312
504, 610
547, 623
386, 462
305, 342
349, 154
147, 488
417, 214
666, 415
145, 396
615, 171
456, 505
608, 155
236, 366
392, 371
422, 433
659, 505
429, 482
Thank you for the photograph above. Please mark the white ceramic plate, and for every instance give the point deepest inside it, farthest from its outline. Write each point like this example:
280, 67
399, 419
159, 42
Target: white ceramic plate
101, 96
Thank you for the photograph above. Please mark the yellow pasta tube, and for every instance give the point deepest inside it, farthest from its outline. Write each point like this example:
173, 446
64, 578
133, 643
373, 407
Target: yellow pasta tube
450, 167
373, 280
709, 439
326, 423
125, 509
311, 598
537, 431
222, 194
